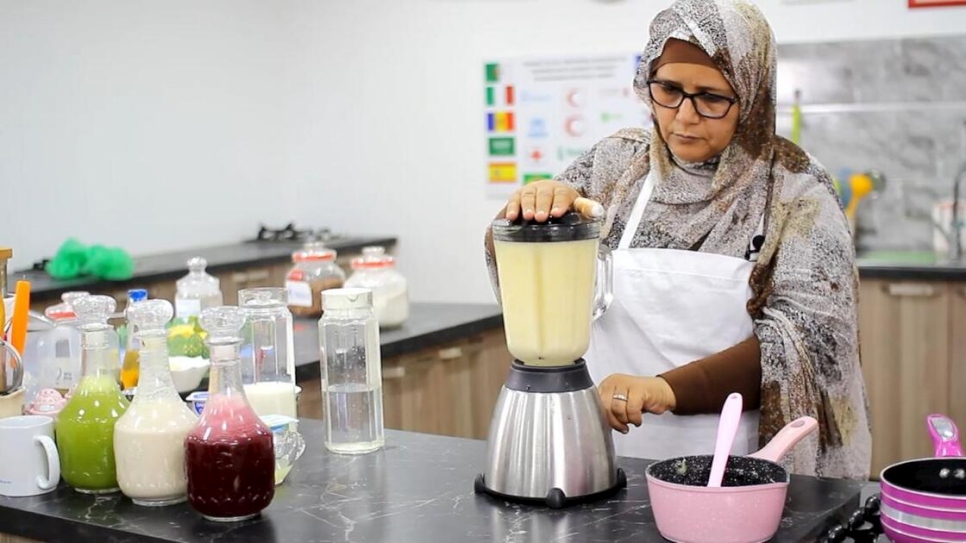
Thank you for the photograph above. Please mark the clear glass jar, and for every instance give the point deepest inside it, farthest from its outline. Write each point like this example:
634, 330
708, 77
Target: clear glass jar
149, 437
315, 271
229, 455
85, 426
268, 357
196, 291
375, 270
351, 372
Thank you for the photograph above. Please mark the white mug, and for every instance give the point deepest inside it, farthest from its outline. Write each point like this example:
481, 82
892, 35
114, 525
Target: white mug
30, 464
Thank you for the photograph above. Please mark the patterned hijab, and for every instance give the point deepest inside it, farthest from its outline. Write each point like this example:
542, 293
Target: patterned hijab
715, 206
804, 283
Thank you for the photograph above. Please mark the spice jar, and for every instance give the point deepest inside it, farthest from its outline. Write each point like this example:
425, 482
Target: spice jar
315, 270
375, 270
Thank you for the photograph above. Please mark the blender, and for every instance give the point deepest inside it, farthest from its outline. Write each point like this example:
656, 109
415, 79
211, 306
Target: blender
549, 439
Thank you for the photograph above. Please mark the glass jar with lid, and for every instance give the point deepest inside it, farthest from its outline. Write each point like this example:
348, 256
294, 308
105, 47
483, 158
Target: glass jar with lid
376, 271
196, 291
315, 270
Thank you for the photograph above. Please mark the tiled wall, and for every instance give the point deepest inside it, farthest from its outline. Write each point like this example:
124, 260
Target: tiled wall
897, 106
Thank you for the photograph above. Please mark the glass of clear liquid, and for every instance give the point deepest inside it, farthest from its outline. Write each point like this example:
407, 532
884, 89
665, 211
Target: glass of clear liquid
351, 372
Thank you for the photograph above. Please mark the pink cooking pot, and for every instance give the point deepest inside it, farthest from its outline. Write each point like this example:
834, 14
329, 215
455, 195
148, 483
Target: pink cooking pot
925, 500
748, 506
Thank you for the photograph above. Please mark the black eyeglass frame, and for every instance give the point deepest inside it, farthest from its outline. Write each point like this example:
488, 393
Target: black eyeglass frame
690, 96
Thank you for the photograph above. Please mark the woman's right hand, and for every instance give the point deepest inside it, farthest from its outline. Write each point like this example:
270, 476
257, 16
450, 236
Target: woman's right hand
547, 198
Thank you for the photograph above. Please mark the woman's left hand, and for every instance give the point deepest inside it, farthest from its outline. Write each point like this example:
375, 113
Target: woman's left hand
626, 398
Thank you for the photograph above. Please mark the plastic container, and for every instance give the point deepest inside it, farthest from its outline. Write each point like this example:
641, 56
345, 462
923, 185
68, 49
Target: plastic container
315, 271
351, 372
376, 271
130, 366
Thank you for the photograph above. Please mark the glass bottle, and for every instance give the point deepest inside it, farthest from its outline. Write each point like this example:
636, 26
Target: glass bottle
268, 360
229, 455
149, 437
85, 426
351, 372
196, 291
130, 366
376, 270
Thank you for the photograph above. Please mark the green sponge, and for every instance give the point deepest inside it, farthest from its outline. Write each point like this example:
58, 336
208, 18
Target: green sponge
74, 259
69, 261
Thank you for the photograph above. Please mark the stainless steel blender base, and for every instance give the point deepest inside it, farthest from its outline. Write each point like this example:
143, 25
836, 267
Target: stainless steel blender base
549, 439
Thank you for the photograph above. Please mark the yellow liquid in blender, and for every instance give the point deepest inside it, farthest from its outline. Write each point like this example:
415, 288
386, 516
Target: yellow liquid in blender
547, 292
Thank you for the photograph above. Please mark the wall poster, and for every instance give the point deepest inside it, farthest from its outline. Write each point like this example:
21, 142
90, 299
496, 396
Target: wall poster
542, 113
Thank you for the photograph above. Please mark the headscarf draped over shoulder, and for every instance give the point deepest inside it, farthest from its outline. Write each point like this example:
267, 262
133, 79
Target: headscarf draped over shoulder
804, 282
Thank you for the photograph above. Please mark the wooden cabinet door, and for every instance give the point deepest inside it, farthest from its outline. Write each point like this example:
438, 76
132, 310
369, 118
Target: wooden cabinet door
904, 329
957, 354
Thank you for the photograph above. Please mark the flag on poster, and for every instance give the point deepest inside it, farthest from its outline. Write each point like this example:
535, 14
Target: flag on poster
503, 172
500, 96
500, 121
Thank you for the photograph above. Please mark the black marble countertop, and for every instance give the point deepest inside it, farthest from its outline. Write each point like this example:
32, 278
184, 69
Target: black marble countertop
418, 489
173, 266
429, 324
874, 269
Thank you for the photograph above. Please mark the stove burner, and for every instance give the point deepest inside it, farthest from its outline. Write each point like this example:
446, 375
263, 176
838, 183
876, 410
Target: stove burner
290, 233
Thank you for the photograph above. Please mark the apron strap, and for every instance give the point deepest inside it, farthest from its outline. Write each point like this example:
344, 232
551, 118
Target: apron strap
634, 221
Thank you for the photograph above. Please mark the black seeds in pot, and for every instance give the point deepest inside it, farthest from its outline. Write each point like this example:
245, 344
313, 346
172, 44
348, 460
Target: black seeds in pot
740, 471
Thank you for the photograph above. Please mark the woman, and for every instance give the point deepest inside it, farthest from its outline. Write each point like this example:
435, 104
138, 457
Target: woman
733, 262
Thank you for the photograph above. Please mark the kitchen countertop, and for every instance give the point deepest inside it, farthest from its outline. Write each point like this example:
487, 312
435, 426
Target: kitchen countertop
428, 324
173, 265
880, 269
418, 489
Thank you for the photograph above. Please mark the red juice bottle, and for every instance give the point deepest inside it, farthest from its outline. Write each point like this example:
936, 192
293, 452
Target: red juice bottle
230, 454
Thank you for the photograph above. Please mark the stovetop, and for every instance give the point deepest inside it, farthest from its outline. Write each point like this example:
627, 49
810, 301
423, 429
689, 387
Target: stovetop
290, 234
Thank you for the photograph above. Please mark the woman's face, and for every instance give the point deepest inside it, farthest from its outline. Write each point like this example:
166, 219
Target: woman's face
690, 136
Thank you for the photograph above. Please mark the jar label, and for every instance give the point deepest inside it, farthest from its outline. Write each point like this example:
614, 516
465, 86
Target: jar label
299, 293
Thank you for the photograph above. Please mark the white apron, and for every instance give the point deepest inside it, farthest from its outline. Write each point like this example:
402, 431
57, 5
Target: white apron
671, 307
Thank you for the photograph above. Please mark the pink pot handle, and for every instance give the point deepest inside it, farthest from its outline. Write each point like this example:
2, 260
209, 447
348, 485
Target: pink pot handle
786, 438
945, 436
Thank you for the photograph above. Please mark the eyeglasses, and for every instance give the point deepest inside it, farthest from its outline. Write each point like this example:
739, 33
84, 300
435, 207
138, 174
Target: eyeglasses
708, 105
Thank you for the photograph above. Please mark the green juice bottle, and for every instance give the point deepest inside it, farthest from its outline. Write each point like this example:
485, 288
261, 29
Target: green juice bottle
85, 426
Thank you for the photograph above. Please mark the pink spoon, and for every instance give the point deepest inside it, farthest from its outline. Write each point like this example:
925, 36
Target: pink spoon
727, 428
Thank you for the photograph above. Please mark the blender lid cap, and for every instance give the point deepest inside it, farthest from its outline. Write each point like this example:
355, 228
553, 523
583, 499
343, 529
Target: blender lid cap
572, 226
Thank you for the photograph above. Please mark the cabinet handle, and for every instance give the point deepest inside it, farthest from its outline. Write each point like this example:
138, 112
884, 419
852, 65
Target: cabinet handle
450, 353
394, 372
239, 277
259, 275
911, 290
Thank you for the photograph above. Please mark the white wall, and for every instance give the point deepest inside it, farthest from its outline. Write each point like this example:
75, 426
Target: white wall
165, 125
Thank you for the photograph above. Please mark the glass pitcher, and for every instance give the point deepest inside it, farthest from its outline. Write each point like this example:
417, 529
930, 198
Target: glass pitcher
555, 279
85, 426
149, 437
229, 455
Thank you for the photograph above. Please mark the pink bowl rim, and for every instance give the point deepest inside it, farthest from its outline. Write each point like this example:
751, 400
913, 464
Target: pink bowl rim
720, 490
885, 483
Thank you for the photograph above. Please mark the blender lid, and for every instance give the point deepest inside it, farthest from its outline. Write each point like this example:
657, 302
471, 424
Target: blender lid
572, 226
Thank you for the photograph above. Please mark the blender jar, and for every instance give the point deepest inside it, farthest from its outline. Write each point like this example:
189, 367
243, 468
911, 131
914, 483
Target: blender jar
555, 278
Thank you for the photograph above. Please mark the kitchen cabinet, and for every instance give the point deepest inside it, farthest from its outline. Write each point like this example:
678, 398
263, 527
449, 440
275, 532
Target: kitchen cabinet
447, 389
912, 357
